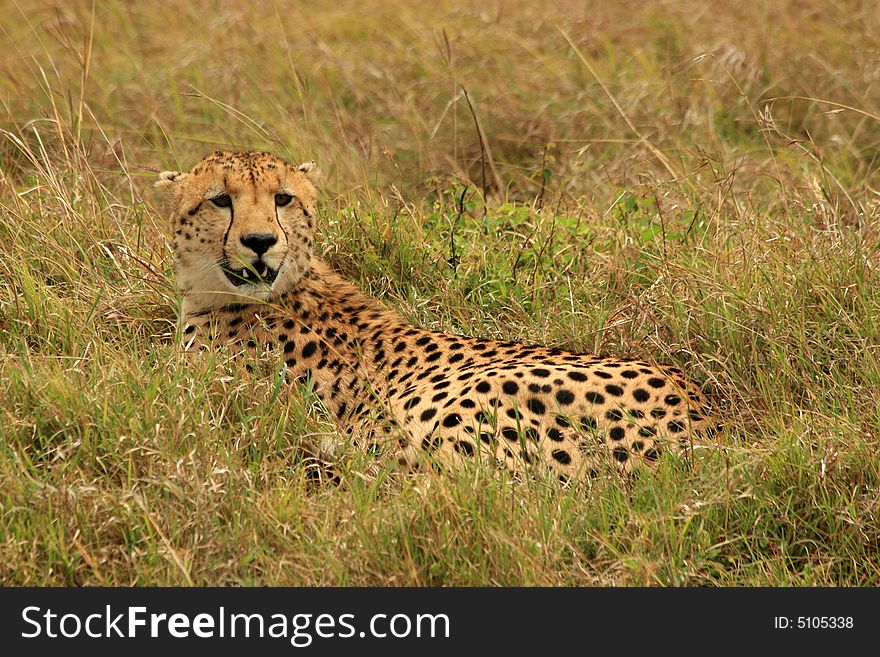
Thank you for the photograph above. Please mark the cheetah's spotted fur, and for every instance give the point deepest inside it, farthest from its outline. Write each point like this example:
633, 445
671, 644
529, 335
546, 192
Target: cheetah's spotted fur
243, 247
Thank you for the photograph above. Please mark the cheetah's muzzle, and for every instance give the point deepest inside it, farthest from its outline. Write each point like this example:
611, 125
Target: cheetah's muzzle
257, 273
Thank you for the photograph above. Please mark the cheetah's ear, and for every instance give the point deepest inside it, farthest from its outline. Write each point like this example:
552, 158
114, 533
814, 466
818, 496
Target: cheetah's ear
311, 171
166, 190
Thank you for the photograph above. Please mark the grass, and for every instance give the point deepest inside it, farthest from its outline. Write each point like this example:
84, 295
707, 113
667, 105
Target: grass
691, 182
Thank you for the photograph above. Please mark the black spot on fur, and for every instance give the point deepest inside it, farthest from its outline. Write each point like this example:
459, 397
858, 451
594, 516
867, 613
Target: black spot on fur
464, 447
452, 420
431, 442
562, 456
510, 434
564, 397
536, 406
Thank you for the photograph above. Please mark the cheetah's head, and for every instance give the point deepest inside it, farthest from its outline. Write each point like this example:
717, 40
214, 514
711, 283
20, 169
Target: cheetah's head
243, 227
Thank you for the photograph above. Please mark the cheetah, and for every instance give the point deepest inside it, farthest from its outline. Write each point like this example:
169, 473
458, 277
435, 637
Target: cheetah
243, 244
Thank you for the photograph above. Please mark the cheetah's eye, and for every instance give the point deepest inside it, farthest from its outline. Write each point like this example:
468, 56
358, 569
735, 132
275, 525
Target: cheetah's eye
283, 199
222, 201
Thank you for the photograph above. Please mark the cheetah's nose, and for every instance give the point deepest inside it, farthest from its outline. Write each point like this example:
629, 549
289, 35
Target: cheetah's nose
259, 243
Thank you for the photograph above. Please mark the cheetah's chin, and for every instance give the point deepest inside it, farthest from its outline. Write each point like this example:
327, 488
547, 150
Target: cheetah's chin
259, 273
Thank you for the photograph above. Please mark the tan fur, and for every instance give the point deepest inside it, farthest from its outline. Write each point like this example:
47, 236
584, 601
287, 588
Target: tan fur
437, 396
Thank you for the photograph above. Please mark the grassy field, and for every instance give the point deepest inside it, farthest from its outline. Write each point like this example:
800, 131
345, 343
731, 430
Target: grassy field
690, 181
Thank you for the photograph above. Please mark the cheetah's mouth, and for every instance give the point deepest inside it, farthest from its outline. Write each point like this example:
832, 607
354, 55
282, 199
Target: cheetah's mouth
256, 274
